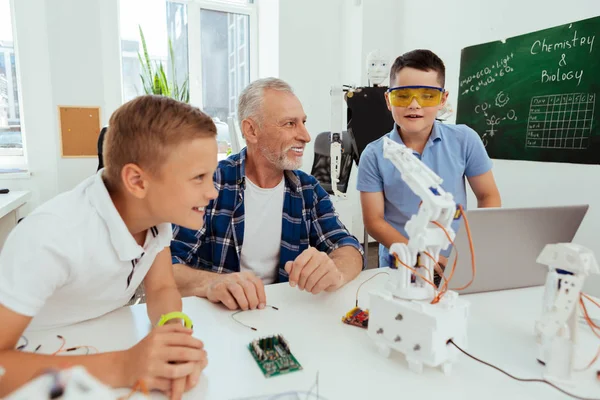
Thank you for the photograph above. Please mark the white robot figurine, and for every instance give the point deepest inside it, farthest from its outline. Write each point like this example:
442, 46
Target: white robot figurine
377, 73
402, 316
378, 68
556, 330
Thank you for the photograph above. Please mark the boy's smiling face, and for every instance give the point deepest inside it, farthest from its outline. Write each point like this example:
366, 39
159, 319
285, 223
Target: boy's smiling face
414, 119
184, 186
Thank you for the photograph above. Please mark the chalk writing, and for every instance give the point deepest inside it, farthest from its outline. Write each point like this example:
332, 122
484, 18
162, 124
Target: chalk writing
559, 76
487, 75
493, 120
540, 46
560, 121
501, 99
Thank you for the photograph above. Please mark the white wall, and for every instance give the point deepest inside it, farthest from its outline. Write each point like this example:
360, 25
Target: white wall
83, 38
268, 38
382, 29
468, 22
310, 60
324, 44
38, 117
309, 57
68, 54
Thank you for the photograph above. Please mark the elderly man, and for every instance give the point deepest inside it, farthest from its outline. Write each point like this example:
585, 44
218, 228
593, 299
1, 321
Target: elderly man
270, 222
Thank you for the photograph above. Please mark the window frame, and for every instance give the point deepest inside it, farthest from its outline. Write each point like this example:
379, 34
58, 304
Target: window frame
194, 45
194, 8
14, 157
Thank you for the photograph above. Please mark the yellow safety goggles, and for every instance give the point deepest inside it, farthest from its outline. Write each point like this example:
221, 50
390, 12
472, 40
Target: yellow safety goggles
426, 96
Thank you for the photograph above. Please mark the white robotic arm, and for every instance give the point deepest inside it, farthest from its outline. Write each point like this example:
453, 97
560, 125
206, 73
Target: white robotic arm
556, 330
430, 230
409, 315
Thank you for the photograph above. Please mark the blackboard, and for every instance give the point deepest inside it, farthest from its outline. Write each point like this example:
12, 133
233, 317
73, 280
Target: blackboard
533, 97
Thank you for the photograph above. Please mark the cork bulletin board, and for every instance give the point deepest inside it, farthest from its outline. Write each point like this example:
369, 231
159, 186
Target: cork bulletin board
79, 130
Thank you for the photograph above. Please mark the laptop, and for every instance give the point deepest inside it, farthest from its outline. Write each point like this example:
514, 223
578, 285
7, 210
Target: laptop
507, 242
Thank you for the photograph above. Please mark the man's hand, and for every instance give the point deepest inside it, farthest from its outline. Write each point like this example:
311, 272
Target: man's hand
241, 289
167, 355
314, 272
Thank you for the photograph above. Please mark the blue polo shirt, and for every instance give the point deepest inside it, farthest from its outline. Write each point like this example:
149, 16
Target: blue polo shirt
452, 151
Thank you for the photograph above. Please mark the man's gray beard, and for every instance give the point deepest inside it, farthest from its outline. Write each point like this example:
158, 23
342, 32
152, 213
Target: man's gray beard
280, 160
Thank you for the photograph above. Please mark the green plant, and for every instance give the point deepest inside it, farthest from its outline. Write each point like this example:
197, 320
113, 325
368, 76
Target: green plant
154, 78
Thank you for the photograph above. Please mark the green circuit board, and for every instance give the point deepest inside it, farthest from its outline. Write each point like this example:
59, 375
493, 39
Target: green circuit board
273, 356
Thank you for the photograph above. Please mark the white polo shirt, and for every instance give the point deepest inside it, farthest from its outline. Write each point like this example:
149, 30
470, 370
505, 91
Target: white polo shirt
72, 258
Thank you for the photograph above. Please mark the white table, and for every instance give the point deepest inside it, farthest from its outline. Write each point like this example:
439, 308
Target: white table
349, 366
9, 203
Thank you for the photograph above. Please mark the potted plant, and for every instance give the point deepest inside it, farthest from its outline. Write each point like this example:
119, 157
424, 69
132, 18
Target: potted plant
154, 77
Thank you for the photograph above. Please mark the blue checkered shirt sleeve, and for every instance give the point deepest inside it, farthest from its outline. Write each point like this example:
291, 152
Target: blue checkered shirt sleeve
190, 247
327, 232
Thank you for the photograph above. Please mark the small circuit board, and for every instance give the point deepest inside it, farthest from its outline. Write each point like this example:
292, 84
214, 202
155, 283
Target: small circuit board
273, 356
357, 317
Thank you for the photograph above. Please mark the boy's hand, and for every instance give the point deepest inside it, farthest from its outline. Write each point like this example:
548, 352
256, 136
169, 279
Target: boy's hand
167, 354
241, 289
182, 385
314, 271
443, 261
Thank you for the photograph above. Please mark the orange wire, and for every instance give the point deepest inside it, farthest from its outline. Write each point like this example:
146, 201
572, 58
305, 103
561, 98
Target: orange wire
444, 287
62, 346
591, 362
140, 386
585, 308
365, 281
419, 265
588, 319
414, 271
468, 229
590, 299
436, 266
592, 325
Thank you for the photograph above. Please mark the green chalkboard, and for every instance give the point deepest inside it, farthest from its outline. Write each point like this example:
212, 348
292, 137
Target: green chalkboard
533, 97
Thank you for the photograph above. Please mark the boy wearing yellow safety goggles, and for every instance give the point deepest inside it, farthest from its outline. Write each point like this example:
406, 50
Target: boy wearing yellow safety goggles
415, 97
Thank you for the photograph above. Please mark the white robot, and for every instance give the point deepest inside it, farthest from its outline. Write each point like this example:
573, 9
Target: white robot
378, 68
402, 316
377, 73
556, 330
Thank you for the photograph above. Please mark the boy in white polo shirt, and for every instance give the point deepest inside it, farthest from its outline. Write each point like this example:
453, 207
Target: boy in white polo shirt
84, 253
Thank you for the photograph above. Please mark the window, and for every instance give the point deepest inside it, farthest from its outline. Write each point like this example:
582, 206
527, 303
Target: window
225, 61
11, 140
213, 54
163, 26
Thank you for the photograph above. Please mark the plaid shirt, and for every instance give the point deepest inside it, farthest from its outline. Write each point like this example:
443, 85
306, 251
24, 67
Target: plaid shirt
309, 219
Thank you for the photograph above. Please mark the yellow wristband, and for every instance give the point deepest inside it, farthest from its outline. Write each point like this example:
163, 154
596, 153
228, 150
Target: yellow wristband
176, 315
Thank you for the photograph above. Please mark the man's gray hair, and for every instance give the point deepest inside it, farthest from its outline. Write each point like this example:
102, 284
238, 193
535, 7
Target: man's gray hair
251, 97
